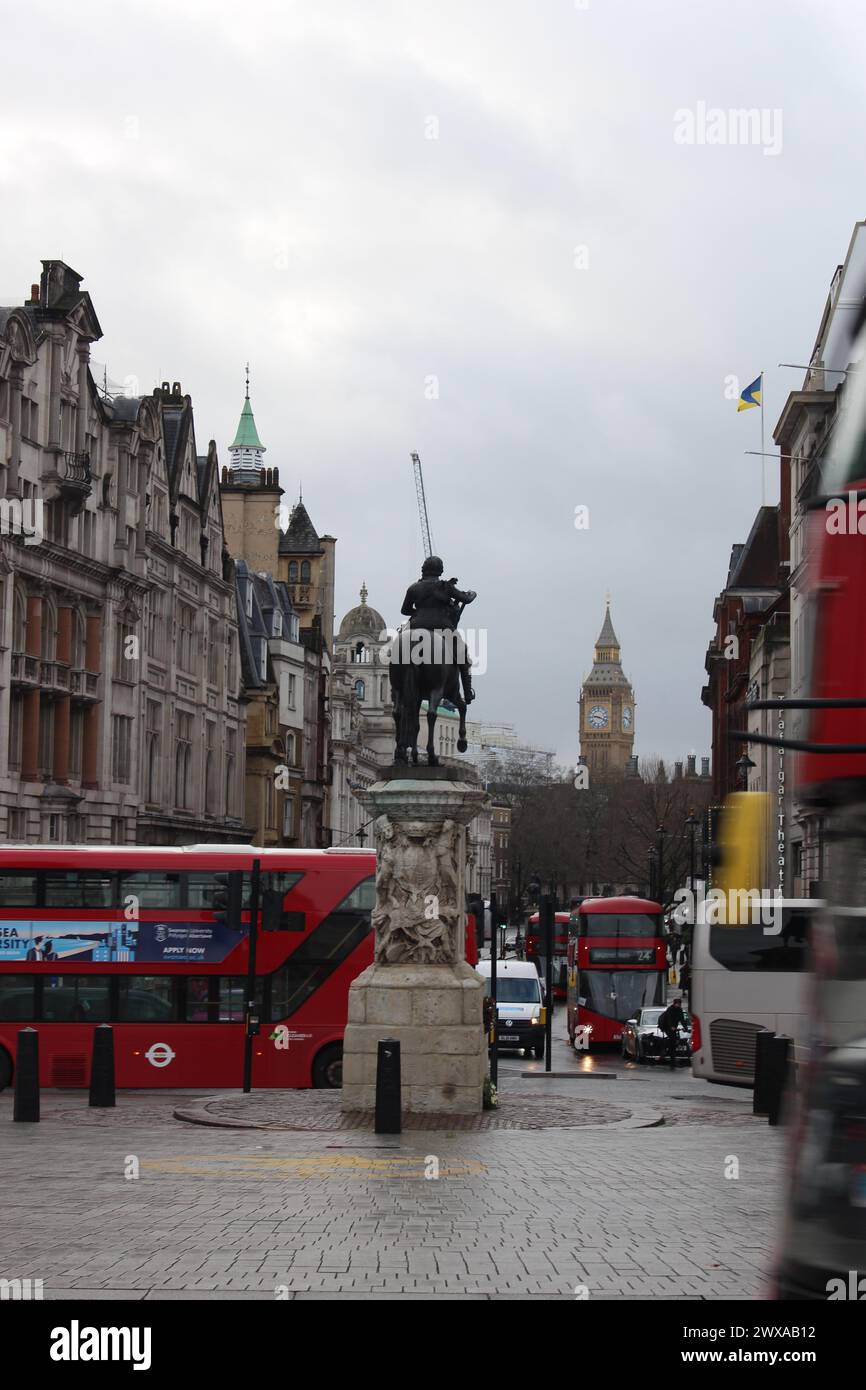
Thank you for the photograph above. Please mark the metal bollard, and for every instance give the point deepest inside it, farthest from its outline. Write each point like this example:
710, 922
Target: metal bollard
779, 1073
102, 1067
26, 1106
388, 1117
761, 1095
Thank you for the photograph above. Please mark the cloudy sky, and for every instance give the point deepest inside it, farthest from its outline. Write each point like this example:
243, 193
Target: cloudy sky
472, 230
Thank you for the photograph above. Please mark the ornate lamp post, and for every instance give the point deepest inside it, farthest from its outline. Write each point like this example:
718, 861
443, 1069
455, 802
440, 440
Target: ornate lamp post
743, 766
651, 855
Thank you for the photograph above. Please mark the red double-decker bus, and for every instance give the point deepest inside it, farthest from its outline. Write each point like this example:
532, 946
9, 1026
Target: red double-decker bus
156, 943
615, 966
535, 949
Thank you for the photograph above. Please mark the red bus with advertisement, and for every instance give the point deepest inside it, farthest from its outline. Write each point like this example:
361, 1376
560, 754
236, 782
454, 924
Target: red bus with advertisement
535, 950
156, 942
616, 965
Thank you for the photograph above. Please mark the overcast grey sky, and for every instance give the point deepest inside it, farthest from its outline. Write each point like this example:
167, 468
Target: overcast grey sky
259, 181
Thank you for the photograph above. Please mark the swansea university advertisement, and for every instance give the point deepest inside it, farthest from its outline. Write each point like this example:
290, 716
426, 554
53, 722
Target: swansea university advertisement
117, 940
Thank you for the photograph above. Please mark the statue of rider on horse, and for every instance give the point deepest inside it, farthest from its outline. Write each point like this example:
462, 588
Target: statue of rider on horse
429, 660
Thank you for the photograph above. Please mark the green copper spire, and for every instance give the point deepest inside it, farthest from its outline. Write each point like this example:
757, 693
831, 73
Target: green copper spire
247, 436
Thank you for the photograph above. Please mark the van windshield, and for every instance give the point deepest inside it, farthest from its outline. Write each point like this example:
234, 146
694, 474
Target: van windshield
514, 989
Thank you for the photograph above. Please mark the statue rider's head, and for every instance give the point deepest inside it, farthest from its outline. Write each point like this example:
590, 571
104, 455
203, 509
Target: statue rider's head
432, 567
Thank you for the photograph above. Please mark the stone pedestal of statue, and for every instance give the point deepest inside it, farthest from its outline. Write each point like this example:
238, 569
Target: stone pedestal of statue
419, 988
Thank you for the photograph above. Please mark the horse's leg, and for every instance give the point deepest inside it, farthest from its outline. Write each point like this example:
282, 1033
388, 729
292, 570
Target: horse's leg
434, 699
462, 745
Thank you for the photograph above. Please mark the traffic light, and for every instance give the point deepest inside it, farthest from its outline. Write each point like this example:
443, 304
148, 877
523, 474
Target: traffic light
227, 900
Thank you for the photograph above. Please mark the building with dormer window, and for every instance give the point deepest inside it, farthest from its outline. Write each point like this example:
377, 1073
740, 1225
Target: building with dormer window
119, 673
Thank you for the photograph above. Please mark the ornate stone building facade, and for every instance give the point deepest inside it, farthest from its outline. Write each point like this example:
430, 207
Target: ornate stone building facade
606, 709
120, 718
285, 587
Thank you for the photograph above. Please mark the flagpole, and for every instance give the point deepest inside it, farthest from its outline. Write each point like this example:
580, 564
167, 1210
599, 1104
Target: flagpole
763, 457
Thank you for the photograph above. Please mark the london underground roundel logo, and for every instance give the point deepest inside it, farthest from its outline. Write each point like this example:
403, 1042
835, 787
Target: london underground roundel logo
159, 1054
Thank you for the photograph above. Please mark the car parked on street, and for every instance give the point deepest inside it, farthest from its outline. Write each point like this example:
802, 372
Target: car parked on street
643, 1041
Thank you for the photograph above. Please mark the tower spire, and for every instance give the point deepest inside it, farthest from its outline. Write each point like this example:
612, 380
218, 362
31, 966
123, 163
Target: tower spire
247, 449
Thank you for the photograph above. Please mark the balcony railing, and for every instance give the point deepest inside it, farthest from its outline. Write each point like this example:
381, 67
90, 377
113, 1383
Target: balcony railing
76, 470
53, 676
84, 685
25, 669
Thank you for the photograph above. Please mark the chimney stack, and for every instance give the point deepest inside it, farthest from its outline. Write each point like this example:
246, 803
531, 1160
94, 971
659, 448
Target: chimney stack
705, 767
34, 294
690, 765
678, 771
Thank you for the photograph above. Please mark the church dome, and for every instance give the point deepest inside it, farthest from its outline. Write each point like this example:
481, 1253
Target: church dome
361, 621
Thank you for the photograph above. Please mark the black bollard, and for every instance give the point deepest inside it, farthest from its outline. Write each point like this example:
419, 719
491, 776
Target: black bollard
102, 1067
761, 1095
26, 1106
778, 1074
388, 1087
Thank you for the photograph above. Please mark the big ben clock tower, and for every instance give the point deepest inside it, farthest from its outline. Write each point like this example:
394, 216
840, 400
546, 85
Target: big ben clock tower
606, 709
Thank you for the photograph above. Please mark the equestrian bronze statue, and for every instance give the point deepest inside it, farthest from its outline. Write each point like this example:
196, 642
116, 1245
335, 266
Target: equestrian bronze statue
429, 661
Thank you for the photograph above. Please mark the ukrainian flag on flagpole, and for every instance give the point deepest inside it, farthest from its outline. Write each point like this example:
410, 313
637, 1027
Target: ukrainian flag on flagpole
752, 394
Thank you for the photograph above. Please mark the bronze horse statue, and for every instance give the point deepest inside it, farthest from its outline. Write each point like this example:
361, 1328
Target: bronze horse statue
429, 662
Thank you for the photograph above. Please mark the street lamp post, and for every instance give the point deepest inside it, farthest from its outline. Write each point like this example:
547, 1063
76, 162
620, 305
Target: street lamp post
692, 823
651, 855
661, 832
743, 767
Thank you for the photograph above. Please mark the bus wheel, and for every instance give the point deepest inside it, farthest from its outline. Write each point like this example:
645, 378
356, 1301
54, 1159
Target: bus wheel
328, 1068
5, 1068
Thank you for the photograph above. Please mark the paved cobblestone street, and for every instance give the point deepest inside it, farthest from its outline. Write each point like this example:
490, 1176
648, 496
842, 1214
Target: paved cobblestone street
624, 1212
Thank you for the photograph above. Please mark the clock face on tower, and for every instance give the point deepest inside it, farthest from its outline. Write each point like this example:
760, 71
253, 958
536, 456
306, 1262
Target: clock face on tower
626, 716
598, 717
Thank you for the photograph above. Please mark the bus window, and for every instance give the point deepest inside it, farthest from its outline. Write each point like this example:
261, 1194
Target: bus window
620, 924
756, 947
219, 998
146, 999
17, 888
154, 889
202, 999
76, 999
17, 1002
78, 888
275, 915
200, 887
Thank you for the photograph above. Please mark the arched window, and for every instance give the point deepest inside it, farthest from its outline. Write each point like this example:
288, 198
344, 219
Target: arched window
78, 641
293, 571
360, 689
19, 622
305, 571
49, 629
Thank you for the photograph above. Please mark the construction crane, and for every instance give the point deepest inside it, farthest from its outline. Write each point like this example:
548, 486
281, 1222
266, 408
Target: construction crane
422, 506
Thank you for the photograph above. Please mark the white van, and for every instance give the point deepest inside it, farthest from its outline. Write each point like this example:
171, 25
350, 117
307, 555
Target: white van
518, 1004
